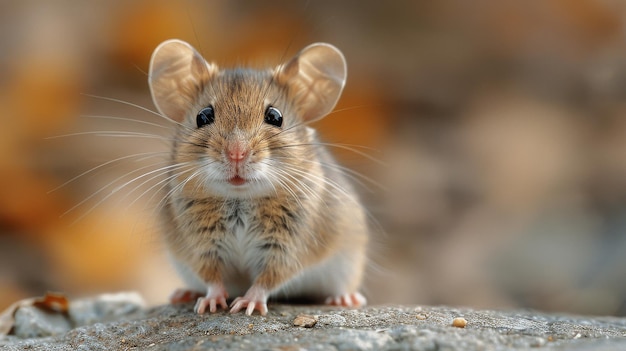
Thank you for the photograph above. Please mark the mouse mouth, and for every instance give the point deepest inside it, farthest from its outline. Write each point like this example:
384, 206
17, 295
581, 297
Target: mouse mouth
237, 180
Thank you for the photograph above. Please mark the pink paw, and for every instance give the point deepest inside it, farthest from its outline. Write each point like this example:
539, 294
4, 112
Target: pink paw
347, 300
184, 296
255, 299
215, 295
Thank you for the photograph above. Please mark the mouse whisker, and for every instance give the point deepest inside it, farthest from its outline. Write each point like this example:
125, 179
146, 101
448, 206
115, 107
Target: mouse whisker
199, 170
297, 183
358, 177
304, 187
337, 187
313, 178
164, 183
372, 219
286, 185
102, 189
350, 108
113, 133
348, 147
159, 172
173, 189
125, 119
127, 103
142, 156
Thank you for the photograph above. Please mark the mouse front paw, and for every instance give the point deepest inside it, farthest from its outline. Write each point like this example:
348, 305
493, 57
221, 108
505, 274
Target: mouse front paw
254, 299
347, 300
216, 295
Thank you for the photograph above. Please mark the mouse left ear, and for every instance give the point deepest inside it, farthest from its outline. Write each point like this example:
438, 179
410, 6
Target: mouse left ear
177, 76
316, 77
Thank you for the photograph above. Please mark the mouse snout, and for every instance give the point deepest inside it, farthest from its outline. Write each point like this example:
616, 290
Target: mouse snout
237, 150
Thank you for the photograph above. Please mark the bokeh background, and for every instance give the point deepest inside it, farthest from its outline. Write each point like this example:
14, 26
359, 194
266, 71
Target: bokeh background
501, 127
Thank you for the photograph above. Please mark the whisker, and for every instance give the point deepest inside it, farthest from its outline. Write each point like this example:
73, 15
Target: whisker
298, 183
283, 182
311, 177
126, 103
355, 176
135, 106
337, 187
162, 169
165, 182
108, 185
161, 183
112, 133
144, 155
339, 146
350, 108
125, 120
177, 187
295, 182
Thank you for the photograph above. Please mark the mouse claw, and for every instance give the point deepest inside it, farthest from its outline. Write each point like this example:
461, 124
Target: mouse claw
255, 299
250, 306
215, 295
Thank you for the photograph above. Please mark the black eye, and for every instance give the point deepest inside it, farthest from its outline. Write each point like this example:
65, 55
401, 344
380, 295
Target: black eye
205, 116
273, 116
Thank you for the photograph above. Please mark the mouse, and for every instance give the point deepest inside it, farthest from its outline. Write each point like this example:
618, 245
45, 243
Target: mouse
255, 206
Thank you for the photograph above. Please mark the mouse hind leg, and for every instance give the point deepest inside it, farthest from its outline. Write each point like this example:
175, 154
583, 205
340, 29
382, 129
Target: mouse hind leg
355, 299
180, 296
335, 281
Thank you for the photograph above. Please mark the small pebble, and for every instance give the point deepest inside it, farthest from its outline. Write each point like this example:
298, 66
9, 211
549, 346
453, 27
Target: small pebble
305, 320
459, 322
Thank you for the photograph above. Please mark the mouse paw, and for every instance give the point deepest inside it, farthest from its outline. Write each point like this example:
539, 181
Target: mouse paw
184, 296
347, 300
215, 295
255, 299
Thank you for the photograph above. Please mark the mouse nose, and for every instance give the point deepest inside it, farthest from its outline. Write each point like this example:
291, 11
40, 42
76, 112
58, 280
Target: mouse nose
237, 151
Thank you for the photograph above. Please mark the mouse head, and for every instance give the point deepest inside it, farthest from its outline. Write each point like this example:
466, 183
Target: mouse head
243, 132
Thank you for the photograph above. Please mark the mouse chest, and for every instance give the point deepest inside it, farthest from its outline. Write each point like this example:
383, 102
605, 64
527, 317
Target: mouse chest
239, 239
228, 228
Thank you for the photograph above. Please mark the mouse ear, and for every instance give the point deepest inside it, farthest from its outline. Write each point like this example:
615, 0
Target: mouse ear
316, 76
177, 76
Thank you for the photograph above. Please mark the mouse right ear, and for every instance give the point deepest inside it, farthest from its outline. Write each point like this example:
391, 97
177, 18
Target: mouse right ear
176, 78
315, 77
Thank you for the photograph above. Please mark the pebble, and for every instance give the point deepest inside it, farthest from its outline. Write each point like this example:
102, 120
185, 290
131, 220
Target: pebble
305, 321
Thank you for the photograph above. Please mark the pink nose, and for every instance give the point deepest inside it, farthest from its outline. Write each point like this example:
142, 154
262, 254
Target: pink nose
237, 152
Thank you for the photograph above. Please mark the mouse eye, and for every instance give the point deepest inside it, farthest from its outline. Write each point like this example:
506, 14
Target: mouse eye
273, 116
205, 116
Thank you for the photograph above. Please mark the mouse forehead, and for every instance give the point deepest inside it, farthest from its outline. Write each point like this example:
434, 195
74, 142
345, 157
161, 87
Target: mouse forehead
240, 97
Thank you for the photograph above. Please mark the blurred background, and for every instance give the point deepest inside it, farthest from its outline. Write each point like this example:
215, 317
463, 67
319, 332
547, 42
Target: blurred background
501, 126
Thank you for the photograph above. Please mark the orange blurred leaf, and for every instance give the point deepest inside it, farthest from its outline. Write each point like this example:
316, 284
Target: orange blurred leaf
51, 302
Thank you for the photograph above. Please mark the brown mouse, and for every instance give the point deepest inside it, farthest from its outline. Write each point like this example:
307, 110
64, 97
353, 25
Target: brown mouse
255, 206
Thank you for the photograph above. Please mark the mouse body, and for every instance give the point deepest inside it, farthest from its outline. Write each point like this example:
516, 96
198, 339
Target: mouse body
255, 206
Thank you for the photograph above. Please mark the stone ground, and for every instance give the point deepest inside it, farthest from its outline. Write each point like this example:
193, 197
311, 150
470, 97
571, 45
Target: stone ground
370, 328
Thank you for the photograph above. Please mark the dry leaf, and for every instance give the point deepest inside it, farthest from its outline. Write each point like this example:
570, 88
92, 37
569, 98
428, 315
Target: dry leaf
52, 302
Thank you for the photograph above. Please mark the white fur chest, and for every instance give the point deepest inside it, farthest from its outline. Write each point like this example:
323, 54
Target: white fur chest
241, 254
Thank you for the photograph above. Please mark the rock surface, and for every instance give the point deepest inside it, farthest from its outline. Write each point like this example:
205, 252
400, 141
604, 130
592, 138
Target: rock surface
370, 328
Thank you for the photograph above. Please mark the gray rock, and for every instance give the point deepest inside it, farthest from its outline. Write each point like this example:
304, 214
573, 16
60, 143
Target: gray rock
32, 322
107, 307
371, 328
